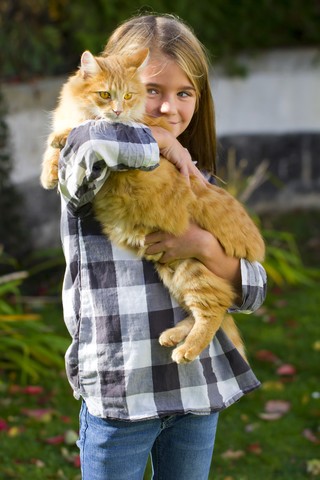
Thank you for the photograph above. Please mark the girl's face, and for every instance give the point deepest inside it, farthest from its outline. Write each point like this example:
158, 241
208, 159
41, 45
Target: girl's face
170, 93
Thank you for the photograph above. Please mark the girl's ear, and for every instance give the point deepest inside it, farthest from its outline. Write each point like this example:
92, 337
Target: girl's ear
89, 65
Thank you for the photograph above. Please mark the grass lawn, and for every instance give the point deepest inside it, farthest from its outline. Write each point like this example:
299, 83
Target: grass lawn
272, 433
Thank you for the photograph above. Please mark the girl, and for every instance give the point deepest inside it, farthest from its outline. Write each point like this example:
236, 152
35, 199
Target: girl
135, 400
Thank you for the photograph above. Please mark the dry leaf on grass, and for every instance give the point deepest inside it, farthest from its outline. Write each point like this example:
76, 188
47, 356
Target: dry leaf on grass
313, 467
275, 409
309, 435
232, 454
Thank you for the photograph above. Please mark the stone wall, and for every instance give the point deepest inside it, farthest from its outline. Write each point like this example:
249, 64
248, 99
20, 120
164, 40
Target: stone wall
272, 113
292, 179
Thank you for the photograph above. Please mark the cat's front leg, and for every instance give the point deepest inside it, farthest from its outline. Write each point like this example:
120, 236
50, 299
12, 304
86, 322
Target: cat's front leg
49, 173
133, 239
58, 140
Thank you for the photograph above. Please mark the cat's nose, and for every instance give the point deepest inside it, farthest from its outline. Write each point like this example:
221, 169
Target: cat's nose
117, 112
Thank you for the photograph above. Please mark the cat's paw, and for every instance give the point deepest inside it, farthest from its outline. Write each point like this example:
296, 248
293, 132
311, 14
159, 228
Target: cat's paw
49, 177
171, 337
184, 354
153, 258
59, 141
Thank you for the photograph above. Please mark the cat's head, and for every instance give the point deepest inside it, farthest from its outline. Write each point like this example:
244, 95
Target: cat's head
110, 87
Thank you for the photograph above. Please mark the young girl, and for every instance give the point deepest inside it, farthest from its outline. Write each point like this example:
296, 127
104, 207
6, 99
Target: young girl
135, 400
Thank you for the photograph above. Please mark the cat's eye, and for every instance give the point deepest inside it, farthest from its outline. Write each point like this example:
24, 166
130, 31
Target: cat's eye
127, 96
105, 95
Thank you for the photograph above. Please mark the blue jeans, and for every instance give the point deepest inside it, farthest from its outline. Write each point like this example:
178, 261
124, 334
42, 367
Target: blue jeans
181, 447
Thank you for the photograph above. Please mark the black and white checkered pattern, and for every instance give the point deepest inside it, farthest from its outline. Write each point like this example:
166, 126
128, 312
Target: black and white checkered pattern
115, 306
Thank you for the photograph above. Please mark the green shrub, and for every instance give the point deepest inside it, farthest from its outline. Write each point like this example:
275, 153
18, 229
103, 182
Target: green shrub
28, 348
283, 262
47, 36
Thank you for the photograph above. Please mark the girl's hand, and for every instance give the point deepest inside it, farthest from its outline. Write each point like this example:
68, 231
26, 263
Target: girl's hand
187, 245
200, 244
173, 151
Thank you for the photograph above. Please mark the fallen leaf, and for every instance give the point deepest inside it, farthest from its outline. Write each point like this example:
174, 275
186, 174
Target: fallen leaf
251, 427
32, 390
270, 416
266, 356
309, 435
313, 467
232, 454
277, 406
38, 463
270, 319
41, 414
291, 323
273, 386
286, 370
316, 346
255, 448
65, 419
281, 303
261, 311
70, 457
57, 440
15, 431
70, 437
76, 461
3, 425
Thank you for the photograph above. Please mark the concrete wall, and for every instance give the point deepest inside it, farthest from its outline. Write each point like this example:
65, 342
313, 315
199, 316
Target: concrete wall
273, 112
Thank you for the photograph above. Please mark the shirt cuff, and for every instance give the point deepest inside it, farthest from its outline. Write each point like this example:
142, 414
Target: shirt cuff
254, 287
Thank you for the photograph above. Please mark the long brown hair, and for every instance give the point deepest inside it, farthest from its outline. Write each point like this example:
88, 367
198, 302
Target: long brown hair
173, 38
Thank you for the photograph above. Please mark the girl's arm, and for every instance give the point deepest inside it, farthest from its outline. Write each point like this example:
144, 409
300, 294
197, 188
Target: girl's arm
94, 149
248, 279
173, 151
200, 244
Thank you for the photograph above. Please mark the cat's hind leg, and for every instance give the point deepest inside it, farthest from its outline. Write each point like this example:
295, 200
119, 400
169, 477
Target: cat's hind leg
173, 336
206, 296
197, 340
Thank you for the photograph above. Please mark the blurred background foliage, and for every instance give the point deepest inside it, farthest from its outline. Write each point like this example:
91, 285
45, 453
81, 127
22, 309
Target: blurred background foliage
46, 37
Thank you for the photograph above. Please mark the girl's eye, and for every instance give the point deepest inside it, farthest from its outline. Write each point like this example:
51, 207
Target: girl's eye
184, 94
152, 91
127, 96
105, 95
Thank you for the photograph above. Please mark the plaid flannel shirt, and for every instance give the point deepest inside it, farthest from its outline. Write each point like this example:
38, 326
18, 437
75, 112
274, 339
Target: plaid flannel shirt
115, 305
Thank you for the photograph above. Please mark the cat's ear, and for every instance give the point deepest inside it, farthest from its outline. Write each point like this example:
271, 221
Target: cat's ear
140, 58
89, 65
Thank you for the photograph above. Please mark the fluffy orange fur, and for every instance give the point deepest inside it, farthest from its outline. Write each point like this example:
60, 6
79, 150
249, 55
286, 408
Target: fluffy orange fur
133, 203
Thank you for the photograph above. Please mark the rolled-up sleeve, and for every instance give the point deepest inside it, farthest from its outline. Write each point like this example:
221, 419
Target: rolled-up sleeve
254, 279
254, 287
94, 149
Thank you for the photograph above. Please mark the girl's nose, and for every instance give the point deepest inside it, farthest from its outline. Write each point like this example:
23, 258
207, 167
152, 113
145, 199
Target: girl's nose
167, 107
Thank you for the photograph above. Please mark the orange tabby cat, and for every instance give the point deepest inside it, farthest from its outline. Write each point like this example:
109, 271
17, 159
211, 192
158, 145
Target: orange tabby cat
133, 203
